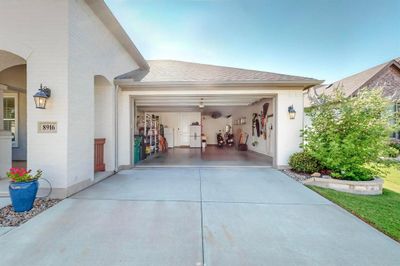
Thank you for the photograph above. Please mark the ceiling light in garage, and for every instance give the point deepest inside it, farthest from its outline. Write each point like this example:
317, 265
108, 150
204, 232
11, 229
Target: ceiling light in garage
201, 104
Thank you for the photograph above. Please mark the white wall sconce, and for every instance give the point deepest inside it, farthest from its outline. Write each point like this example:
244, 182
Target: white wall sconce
292, 112
41, 97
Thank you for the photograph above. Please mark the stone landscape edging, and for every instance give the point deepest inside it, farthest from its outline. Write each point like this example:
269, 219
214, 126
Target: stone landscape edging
372, 187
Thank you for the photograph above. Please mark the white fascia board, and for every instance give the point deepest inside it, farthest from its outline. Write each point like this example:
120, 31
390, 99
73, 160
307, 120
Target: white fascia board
132, 85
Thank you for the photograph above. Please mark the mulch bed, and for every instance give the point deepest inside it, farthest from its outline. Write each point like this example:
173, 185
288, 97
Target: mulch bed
10, 218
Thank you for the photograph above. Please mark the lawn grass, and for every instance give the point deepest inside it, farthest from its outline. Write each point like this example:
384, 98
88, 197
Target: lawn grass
392, 179
382, 211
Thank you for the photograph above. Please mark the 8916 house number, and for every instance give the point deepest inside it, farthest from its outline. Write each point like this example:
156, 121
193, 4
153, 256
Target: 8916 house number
47, 127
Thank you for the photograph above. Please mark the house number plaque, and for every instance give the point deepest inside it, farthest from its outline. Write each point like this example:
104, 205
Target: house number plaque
47, 127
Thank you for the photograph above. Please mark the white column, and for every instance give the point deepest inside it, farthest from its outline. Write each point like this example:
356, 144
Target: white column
5, 140
124, 129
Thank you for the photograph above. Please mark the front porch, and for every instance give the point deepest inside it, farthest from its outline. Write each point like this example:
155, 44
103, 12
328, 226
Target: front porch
23, 145
13, 111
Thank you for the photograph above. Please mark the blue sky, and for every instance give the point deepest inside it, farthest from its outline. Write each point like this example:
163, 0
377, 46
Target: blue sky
323, 39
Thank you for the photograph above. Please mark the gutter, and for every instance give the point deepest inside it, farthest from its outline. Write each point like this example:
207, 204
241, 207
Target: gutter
177, 84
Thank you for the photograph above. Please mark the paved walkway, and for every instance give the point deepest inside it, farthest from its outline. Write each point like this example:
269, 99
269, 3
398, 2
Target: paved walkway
222, 216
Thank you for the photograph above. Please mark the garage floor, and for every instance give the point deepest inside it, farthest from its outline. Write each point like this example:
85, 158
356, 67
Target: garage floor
197, 216
212, 156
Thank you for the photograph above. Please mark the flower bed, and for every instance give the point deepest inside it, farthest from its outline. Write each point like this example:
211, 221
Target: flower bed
372, 187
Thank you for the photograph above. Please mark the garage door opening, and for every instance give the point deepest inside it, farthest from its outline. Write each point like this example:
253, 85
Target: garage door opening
203, 131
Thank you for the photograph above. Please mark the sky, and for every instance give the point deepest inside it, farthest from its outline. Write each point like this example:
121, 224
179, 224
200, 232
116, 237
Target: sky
322, 39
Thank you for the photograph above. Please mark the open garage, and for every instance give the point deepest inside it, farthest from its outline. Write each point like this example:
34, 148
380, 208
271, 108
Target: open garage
188, 114
204, 131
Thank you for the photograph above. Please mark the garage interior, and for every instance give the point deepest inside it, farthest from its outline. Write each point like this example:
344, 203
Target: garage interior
223, 130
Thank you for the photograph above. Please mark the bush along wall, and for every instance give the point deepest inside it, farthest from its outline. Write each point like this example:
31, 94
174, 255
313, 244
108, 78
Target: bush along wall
304, 162
349, 134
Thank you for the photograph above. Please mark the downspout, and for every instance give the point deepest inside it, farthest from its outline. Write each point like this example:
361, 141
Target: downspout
116, 91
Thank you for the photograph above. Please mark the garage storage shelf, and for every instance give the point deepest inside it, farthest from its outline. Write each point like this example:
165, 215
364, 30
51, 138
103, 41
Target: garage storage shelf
151, 132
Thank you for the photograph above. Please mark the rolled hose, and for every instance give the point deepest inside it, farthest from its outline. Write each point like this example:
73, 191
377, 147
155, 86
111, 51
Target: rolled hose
51, 189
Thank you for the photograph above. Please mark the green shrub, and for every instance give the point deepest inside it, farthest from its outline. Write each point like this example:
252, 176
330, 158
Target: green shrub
395, 145
393, 152
348, 133
304, 162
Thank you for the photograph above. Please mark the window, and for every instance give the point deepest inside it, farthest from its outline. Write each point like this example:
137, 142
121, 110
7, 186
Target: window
10, 114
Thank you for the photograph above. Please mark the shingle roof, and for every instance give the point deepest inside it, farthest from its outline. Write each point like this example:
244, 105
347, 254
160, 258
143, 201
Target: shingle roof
179, 71
350, 84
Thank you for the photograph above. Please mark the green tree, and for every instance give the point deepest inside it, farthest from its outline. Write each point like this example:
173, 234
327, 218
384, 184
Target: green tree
349, 134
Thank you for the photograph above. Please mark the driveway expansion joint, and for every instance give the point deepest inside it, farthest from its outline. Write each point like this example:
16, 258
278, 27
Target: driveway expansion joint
138, 200
202, 219
207, 201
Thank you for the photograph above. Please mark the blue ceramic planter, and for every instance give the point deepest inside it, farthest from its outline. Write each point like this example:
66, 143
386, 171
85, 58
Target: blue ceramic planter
23, 195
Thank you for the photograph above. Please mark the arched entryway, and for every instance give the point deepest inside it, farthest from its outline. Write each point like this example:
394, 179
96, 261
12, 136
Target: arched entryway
104, 160
13, 109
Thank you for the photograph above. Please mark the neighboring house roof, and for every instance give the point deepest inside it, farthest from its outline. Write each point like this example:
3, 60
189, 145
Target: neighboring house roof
102, 11
178, 72
352, 84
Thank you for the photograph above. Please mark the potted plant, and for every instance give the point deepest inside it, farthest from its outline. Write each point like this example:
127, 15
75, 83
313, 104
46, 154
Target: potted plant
23, 188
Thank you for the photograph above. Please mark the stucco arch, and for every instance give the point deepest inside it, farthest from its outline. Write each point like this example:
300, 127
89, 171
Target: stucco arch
14, 77
9, 59
15, 48
101, 81
104, 124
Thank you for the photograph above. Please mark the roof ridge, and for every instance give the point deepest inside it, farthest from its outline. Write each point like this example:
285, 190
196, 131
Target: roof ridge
227, 67
382, 65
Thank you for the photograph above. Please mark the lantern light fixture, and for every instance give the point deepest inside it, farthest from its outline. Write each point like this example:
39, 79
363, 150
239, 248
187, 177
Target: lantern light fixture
292, 112
41, 97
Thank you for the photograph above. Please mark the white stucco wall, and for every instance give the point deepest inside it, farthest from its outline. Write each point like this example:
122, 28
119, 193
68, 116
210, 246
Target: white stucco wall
93, 50
37, 31
65, 45
288, 130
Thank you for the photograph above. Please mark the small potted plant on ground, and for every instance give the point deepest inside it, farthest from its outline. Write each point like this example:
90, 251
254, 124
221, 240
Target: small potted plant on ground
23, 188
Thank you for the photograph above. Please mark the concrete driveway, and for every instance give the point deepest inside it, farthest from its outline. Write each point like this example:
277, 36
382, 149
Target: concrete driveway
187, 216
